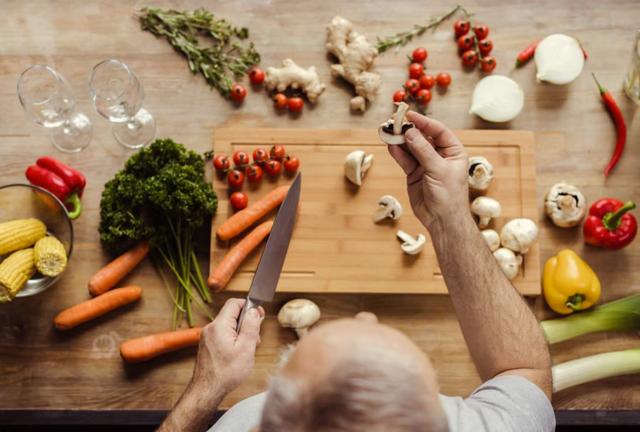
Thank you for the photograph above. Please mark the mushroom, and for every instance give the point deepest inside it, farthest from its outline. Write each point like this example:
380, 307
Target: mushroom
565, 205
519, 234
492, 238
480, 173
508, 261
388, 207
392, 131
299, 314
356, 165
485, 208
411, 245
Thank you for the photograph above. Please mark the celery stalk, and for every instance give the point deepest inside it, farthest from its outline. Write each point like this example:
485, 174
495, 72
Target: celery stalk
595, 367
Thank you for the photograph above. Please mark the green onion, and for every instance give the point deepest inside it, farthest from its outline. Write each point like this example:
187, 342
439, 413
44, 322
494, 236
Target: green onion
619, 315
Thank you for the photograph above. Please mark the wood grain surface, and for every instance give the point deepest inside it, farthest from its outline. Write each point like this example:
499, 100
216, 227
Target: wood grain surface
40, 368
336, 248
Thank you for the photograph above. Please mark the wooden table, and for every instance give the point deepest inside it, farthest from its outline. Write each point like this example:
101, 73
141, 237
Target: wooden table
81, 370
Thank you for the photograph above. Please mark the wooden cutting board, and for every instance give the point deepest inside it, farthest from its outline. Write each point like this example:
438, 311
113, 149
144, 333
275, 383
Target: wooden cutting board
336, 248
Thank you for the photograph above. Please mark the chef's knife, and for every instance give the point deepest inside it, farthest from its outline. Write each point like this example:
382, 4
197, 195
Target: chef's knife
265, 280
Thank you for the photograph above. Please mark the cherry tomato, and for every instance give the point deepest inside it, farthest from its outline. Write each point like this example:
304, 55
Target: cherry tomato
256, 75
240, 158
461, 27
221, 162
443, 79
254, 173
485, 46
278, 152
280, 101
465, 42
273, 168
291, 164
487, 64
481, 31
399, 95
260, 155
239, 200
469, 58
235, 179
412, 85
423, 97
295, 104
238, 92
415, 70
427, 81
419, 55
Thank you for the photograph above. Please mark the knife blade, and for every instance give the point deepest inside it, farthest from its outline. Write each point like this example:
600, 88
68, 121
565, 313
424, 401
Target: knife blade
265, 279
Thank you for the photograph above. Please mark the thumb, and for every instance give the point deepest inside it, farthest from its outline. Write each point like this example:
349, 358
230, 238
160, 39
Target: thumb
422, 151
250, 329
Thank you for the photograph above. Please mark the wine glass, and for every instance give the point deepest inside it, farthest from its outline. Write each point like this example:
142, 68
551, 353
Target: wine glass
47, 98
118, 95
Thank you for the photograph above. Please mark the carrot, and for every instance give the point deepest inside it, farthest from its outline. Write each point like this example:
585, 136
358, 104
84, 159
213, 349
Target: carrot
90, 309
247, 217
232, 260
107, 277
147, 347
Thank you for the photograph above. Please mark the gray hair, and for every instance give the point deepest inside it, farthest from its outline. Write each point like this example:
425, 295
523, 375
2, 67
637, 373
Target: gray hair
359, 394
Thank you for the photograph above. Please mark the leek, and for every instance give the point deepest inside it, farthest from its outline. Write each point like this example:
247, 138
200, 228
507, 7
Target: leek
595, 367
619, 315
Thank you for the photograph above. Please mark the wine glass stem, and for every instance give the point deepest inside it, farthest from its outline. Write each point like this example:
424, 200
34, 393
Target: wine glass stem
133, 124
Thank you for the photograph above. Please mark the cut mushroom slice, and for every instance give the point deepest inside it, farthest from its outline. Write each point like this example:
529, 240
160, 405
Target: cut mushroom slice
411, 245
492, 238
485, 208
299, 314
480, 173
565, 205
356, 165
392, 131
519, 234
509, 262
388, 207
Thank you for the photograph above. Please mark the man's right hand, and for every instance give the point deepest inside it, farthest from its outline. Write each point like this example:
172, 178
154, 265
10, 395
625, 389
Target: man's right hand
436, 165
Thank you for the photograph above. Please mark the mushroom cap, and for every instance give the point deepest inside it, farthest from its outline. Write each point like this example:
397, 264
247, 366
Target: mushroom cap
565, 205
492, 238
519, 234
298, 314
356, 164
411, 245
480, 172
486, 207
509, 262
388, 207
392, 131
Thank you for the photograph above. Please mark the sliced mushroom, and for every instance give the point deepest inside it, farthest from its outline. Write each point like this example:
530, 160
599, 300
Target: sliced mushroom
392, 131
485, 208
388, 207
480, 173
299, 314
356, 165
508, 261
492, 238
565, 205
519, 234
411, 245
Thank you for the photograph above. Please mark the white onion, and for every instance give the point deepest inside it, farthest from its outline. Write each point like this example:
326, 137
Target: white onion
559, 59
497, 99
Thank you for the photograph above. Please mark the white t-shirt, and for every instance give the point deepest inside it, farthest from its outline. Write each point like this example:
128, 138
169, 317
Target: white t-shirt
507, 403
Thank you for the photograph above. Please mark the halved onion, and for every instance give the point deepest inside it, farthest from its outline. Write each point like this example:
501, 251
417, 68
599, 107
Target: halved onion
497, 99
559, 59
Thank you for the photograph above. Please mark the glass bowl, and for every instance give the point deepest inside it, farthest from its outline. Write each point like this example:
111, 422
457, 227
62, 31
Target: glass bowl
22, 201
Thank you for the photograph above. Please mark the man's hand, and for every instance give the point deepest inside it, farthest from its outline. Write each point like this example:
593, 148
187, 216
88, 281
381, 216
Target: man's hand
435, 163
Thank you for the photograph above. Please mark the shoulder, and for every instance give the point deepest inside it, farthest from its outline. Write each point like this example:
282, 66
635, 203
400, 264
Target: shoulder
505, 403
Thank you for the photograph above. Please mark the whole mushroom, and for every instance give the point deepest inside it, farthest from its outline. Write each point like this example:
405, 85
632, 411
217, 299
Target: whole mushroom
492, 238
392, 131
485, 208
565, 205
356, 165
388, 207
480, 173
509, 262
519, 234
299, 314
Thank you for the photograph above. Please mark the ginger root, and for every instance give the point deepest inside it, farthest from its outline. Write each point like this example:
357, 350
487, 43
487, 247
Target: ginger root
296, 77
355, 55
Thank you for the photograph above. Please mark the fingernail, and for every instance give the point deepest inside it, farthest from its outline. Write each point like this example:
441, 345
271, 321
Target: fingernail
254, 313
410, 135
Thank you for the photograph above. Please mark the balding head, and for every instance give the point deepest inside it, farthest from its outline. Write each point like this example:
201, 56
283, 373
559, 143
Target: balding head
352, 375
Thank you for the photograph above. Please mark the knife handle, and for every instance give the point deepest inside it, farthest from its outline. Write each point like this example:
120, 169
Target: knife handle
247, 305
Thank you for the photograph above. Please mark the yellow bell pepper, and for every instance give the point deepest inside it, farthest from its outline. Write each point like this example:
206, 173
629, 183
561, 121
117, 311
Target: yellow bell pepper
569, 284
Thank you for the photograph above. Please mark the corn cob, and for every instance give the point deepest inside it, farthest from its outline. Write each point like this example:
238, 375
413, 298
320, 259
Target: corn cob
19, 234
15, 271
49, 256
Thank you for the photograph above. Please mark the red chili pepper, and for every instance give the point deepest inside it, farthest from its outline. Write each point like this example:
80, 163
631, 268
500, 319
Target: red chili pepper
526, 54
64, 182
609, 225
618, 120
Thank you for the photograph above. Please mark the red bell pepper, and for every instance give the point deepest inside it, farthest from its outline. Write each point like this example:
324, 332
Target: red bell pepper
61, 180
609, 225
